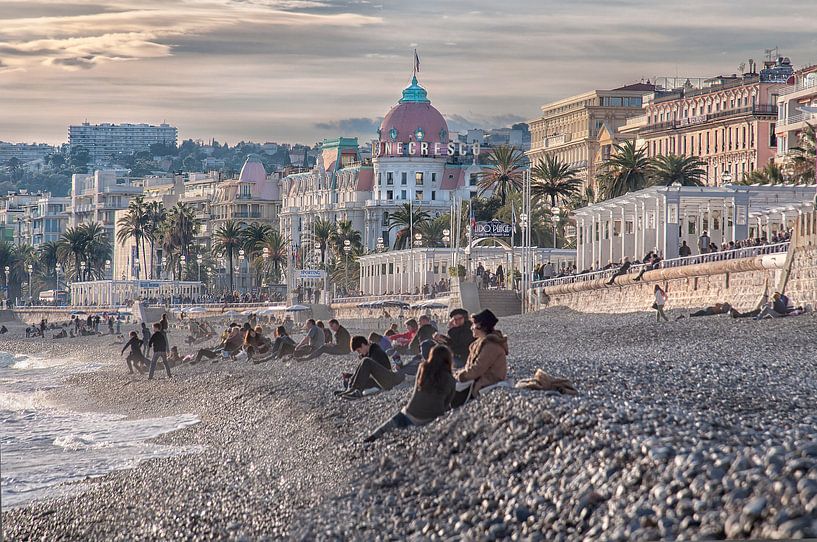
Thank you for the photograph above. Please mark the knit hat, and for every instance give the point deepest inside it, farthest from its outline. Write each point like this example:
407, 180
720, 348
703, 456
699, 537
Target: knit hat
486, 320
458, 312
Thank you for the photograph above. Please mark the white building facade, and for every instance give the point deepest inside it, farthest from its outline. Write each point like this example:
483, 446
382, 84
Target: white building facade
104, 141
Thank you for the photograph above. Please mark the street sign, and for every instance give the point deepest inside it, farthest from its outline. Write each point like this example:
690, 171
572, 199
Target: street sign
492, 228
311, 273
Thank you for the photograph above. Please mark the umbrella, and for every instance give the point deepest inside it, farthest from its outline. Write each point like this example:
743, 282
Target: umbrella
76, 313
297, 308
433, 305
248, 312
232, 313
395, 303
196, 310
266, 311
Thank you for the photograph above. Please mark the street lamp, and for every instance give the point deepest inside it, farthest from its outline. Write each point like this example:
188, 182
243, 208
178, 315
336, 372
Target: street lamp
199, 260
30, 272
107, 266
418, 240
555, 217
183, 262
240, 263
57, 276
726, 177
347, 248
380, 245
446, 236
82, 269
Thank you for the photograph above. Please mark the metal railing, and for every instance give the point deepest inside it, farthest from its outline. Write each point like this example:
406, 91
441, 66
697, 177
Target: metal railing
399, 297
738, 253
801, 85
758, 109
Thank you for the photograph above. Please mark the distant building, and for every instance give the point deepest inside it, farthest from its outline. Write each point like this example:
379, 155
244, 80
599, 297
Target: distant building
96, 197
796, 107
104, 141
13, 208
24, 152
569, 128
729, 124
45, 219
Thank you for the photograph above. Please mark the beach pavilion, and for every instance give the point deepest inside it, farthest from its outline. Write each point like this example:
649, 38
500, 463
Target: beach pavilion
662, 217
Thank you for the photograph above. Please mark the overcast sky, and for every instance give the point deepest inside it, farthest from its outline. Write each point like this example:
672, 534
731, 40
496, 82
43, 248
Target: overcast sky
303, 70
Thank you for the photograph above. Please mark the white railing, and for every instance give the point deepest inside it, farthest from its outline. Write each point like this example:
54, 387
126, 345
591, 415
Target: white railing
738, 253
794, 119
399, 297
802, 84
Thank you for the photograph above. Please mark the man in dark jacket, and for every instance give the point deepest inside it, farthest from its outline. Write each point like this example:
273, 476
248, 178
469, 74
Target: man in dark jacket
623, 270
158, 341
460, 336
425, 333
341, 345
374, 370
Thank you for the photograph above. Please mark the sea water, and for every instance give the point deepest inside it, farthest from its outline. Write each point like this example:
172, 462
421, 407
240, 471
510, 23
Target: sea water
43, 446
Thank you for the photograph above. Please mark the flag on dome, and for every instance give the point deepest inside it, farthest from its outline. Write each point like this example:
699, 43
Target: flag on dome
416, 62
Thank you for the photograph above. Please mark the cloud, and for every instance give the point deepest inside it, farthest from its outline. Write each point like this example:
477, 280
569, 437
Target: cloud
460, 123
353, 126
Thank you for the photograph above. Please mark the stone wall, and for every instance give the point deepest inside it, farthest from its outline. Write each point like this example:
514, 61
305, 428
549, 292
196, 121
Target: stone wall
741, 283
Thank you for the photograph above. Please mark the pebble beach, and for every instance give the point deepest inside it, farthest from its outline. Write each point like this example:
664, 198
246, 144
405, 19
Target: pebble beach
701, 428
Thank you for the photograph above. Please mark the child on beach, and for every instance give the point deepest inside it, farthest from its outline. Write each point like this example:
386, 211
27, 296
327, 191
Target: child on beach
158, 341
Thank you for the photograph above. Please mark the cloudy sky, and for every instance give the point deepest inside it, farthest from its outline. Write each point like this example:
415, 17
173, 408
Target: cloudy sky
302, 70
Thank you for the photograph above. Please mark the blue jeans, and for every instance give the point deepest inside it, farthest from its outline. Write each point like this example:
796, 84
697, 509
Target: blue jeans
156, 356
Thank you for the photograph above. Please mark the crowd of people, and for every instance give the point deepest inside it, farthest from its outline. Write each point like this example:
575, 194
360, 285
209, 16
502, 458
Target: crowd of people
448, 366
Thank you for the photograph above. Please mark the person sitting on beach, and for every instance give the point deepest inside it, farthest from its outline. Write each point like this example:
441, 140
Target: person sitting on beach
341, 346
459, 336
327, 335
380, 340
61, 335
174, 359
433, 392
401, 341
425, 332
487, 357
230, 343
135, 357
373, 371
255, 344
282, 346
313, 340
158, 341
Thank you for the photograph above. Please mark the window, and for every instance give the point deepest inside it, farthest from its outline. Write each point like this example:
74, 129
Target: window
772, 136
419, 195
433, 195
403, 177
389, 194
389, 178
385, 218
433, 178
402, 194
379, 179
472, 180
418, 178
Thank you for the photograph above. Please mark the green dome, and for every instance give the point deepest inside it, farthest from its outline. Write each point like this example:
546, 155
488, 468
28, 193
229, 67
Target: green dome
414, 93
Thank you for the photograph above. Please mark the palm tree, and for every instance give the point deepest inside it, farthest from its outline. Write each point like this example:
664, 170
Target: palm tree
323, 231
432, 230
132, 226
771, 174
71, 250
276, 261
178, 237
803, 157
404, 218
155, 214
97, 249
345, 232
227, 239
48, 255
625, 171
8, 258
253, 240
684, 170
554, 179
504, 172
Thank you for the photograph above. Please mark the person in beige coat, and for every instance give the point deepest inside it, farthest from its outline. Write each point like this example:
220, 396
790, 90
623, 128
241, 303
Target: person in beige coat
487, 356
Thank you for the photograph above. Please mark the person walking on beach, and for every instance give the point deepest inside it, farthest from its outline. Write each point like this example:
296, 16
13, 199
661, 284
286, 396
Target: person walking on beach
158, 342
145, 339
660, 301
135, 357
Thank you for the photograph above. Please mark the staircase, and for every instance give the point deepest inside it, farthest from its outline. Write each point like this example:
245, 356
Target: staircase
501, 302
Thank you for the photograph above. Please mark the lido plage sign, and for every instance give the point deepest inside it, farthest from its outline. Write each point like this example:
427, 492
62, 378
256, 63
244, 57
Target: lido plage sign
388, 148
492, 228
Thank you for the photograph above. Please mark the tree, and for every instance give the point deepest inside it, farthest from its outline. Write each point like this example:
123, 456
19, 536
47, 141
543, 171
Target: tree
803, 157
345, 232
771, 174
227, 239
322, 231
181, 225
432, 230
48, 256
404, 218
554, 180
155, 215
276, 261
684, 170
8, 258
85, 244
71, 250
625, 171
504, 172
132, 226
253, 242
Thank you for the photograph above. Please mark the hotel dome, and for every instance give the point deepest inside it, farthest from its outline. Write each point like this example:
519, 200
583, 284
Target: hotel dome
414, 120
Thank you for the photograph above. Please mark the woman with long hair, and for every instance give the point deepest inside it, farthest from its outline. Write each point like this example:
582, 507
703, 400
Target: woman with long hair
432, 395
660, 301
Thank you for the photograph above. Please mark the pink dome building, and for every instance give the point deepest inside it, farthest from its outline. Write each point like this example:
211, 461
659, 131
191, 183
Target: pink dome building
413, 127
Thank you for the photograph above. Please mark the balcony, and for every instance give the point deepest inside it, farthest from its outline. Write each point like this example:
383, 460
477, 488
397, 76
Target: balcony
796, 118
556, 140
755, 110
801, 85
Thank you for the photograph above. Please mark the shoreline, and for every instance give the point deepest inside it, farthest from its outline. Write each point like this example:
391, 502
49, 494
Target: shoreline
680, 416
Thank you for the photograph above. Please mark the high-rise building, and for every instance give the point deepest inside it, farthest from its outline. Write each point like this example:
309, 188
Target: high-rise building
729, 123
569, 128
97, 196
104, 141
796, 109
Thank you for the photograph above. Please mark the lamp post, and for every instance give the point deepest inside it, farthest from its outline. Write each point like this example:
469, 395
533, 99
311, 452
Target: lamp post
418, 242
380, 248
241, 254
82, 271
57, 277
107, 268
555, 216
182, 263
726, 177
164, 266
199, 260
30, 273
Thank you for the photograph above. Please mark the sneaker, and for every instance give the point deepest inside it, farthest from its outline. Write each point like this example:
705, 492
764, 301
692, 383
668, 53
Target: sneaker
340, 392
371, 391
352, 395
